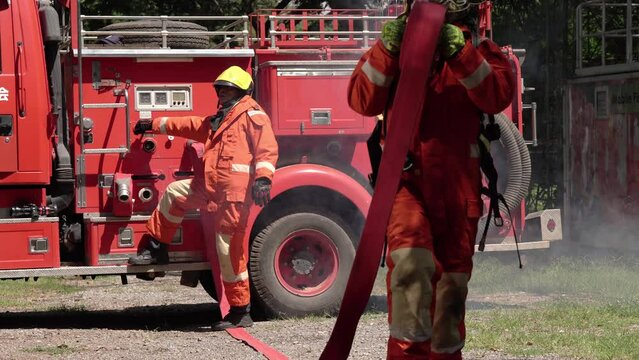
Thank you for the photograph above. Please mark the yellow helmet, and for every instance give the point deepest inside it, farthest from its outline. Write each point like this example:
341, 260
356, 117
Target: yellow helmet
235, 76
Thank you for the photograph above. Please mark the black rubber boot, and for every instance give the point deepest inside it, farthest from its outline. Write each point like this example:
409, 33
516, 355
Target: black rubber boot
154, 252
238, 317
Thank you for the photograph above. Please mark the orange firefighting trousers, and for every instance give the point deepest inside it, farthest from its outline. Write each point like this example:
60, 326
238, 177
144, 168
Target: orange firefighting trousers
229, 222
430, 247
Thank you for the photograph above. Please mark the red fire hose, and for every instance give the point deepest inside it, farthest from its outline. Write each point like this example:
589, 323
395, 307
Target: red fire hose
238, 333
418, 48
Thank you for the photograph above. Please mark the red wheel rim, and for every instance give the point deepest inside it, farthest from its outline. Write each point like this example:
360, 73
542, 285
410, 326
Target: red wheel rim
306, 262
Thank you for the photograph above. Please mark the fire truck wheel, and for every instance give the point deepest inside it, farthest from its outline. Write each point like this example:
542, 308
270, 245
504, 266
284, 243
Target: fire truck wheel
300, 264
173, 41
206, 279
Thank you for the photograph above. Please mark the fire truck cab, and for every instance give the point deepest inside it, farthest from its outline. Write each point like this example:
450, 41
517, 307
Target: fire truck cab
77, 186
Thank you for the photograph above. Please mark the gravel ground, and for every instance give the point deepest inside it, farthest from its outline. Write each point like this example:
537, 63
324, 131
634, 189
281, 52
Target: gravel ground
163, 320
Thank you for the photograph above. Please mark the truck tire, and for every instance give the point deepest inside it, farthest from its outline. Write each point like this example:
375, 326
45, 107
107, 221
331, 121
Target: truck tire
173, 41
300, 264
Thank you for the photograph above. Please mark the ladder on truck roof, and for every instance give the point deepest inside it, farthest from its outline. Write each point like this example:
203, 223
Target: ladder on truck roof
607, 37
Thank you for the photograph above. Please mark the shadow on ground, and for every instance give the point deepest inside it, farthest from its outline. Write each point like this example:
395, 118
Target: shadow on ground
161, 318
165, 317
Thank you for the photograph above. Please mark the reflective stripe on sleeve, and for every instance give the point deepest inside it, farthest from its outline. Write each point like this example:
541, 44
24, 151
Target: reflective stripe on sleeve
256, 112
242, 168
474, 79
265, 165
375, 76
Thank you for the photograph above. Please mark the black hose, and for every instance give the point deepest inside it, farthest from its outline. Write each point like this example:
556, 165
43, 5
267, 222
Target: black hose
64, 181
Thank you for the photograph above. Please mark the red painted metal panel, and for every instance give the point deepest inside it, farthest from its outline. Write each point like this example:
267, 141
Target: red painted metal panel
153, 174
21, 196
103, 244
16, 246
291, 100
8, 144
27, 151
317, 175
300, 95
109, 131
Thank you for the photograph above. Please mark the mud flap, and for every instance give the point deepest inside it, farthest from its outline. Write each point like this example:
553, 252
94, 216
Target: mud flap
418, 46
190, 278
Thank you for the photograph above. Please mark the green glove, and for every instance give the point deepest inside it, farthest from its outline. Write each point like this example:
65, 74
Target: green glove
451, 40
392, 33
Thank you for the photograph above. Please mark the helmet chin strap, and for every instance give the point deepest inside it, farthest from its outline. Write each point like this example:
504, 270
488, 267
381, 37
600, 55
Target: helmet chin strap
231, 102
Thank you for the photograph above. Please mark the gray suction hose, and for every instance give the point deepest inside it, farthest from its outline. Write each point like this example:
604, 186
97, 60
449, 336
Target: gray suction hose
519, 167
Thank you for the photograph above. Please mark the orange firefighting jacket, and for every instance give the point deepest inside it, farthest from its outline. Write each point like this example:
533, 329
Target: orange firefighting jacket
444, 148
484, 72
243, 147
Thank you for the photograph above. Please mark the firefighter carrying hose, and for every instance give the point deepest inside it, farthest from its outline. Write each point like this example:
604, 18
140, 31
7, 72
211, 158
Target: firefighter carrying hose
240, 152
433, 222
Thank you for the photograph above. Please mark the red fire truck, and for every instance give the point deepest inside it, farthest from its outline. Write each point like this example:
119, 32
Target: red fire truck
76, 186
602, 128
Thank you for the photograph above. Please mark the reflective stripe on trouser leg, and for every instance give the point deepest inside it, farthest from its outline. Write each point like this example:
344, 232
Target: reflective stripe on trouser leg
448, 328
235, 283
179, 197
411, 268
230, 223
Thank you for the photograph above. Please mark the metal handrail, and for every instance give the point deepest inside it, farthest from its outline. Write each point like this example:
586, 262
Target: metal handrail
366, 35
330, 17
127, 125
241, 35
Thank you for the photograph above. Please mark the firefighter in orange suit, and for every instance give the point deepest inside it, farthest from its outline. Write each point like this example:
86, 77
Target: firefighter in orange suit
240, 153
433, 222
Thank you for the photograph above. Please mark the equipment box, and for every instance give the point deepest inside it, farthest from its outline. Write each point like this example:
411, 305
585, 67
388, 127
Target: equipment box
112, 240
318, 90
27, 244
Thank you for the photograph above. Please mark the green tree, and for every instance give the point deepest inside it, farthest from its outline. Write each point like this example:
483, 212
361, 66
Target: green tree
543, 28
